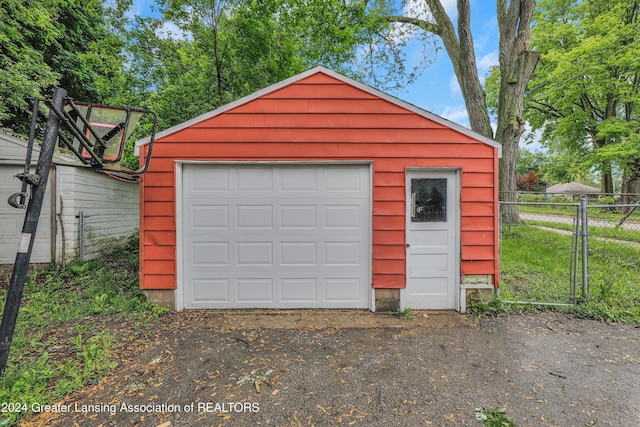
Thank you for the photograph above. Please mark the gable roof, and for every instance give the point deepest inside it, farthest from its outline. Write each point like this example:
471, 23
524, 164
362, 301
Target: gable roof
347, 80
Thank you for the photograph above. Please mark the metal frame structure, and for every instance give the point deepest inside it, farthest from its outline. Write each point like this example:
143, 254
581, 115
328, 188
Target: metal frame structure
63, 112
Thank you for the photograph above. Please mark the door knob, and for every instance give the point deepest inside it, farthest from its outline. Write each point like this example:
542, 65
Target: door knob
407, 245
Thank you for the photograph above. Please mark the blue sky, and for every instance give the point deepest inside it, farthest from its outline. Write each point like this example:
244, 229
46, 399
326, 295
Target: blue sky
436, 90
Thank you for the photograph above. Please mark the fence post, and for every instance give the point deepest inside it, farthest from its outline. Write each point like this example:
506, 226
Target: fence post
585, 247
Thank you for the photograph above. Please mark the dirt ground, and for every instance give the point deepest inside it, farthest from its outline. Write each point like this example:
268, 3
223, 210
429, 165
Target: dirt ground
325, 368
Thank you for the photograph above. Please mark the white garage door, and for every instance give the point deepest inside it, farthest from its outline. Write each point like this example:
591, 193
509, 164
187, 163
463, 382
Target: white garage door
276, 236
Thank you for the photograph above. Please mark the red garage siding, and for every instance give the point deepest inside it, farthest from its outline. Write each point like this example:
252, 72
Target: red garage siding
321, 117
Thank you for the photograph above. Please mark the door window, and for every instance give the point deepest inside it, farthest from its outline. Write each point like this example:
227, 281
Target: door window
428, 200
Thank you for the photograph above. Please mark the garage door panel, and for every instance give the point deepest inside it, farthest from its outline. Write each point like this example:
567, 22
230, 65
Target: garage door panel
342, 253
210, 290
299, 180
254, 216
343, 289
254, 179
206, 180
202, 217
298, 253
302, 241
343, 217
343, 180
298, 217
210, 254
303, 289
254, 254
254, 290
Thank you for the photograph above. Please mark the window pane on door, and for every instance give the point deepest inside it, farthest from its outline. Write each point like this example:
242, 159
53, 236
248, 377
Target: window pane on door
428, 200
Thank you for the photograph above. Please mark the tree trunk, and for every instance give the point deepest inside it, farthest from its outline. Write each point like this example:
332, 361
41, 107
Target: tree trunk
517, 64
459, 47
606, 179
631, 183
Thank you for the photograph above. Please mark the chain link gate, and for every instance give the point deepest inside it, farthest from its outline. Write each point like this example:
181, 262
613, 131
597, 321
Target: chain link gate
540, 255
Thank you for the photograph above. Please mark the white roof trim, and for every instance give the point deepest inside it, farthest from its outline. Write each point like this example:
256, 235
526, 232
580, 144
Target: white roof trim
321, 69
7, 137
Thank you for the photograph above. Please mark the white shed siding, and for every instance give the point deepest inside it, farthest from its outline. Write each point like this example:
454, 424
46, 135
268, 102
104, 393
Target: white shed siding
12, 219
109, 206
12, 154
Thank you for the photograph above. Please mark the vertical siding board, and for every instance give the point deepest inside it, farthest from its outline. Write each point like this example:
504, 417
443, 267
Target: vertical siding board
110, 207
321, 118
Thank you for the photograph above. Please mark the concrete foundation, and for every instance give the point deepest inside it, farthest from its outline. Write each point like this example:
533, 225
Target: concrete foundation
387, 300
162, 297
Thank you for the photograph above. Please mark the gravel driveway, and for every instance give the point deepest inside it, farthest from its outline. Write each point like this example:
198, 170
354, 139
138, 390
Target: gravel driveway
356, 368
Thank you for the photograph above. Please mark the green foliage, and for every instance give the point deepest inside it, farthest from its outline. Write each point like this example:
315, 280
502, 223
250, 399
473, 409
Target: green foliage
478, 307
218, 52
406, 313
59, 344
495, 417
585, 94
68, 43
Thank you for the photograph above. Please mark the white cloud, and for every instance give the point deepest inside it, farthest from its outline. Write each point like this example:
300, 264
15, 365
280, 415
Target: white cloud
454, 87
451, 7
487, 61
456, 113
532, 140
419, 9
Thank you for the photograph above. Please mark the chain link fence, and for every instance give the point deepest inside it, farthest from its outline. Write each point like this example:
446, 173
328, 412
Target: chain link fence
98, 233
613, 250
539, 253
567, 251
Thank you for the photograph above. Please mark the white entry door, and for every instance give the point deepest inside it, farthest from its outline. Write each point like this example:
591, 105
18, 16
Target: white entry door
432, 240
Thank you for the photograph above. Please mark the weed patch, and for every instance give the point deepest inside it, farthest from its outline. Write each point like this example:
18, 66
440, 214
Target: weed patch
62, 339
405, 313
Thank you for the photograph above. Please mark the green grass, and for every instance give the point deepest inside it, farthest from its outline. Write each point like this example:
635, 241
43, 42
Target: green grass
594, 231
601, 211
63, 338
535, 267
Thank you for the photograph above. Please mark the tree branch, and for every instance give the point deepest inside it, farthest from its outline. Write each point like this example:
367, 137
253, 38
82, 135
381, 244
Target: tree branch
420, 23
545, 108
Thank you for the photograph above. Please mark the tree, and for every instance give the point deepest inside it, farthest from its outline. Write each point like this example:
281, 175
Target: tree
585, 95
23, 69
69, 43
517, 64
218, 51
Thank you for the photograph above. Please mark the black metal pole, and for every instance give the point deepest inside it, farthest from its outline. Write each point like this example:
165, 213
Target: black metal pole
21, 265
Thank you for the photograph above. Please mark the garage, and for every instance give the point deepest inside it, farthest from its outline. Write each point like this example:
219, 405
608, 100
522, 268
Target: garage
319, 192
275, 236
